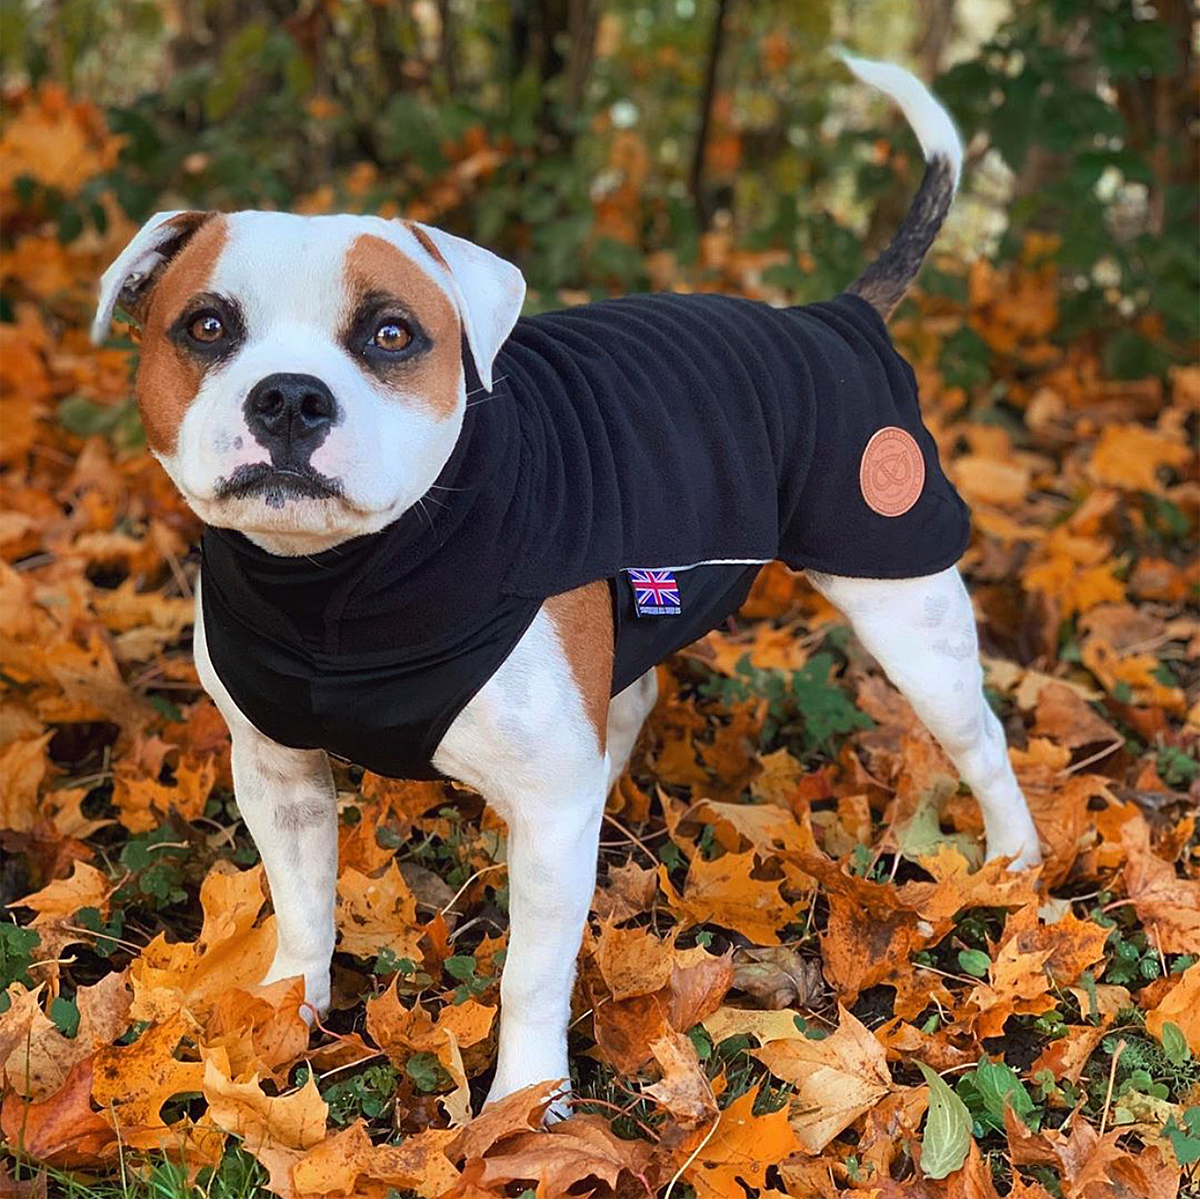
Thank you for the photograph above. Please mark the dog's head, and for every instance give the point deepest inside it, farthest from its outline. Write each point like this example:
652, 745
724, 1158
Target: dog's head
301, 378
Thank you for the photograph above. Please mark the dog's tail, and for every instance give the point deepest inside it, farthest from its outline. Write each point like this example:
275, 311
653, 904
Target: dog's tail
885, 281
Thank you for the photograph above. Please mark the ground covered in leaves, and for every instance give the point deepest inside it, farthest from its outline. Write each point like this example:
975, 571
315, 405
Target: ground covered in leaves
798, 979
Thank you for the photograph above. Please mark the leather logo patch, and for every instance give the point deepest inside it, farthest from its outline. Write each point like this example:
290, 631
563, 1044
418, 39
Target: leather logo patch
892, 472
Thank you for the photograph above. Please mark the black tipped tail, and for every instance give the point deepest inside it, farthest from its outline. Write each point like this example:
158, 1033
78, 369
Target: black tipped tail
885, 281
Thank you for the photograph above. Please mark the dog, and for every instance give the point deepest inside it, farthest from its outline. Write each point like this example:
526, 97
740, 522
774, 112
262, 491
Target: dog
442, 541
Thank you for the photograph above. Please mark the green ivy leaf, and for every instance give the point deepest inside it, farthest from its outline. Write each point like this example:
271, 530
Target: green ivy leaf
1185, 1140
65, 1015
425, 1071
1174, 1044
989, 1088
947, 1138
974, 962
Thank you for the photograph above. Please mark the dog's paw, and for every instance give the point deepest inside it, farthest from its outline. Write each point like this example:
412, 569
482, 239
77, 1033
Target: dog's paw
1023, 850
557, 1092
316, 986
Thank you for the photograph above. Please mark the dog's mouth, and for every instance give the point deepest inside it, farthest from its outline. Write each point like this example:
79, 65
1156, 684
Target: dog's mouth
277, 485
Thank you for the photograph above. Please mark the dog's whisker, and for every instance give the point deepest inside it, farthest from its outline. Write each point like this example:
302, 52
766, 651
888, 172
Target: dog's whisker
481, 388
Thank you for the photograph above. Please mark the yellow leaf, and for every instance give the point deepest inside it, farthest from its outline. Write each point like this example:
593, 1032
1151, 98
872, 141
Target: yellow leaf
836, 1078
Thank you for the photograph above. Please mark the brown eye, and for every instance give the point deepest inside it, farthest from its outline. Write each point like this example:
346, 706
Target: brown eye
392, 335
206, 328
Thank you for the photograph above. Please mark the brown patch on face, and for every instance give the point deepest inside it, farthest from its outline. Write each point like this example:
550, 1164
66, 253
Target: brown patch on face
584, 621
168, 377
373, 267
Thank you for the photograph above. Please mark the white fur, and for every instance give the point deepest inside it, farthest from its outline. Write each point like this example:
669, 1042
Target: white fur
489, 293
287, 274
922, 631
136, 261
931, 123
287, 800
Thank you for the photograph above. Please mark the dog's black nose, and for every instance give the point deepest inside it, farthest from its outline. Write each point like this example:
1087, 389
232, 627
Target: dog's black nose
290, 415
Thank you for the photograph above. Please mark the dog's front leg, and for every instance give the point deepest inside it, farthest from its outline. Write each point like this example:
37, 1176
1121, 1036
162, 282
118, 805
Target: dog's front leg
533, 742
551, 877
286, 797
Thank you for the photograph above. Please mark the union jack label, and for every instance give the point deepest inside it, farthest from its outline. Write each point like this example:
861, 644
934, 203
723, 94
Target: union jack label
655, 593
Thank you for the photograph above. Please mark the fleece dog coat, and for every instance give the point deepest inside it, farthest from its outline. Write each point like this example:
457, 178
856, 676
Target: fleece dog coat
694, 435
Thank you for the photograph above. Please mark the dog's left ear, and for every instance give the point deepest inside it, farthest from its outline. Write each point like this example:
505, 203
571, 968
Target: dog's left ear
487, 290
130, 279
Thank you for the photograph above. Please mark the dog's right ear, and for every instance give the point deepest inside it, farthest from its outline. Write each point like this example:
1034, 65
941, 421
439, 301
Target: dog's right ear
131, 278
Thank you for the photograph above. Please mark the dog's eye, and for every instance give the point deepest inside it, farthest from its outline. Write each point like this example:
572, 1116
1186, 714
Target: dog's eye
206, 328
392, 335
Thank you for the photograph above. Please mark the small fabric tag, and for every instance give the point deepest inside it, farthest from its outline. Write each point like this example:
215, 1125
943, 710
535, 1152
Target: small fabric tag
655, 592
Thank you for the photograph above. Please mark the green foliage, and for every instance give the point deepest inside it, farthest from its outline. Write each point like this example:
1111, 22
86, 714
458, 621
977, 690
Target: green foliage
16, 954
366, 1093
470, 984
427, 1073
120, 423
108, 932
804, 706
386, 963
1185, 1138
156, 862
947, 1137
1175, 1045
974, 962
65, 1015
1132, 959
988, 1089
1177, 767
1105, 172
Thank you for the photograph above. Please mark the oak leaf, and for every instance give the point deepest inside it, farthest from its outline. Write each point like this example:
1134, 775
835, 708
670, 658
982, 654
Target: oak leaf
684, 1090
570, 1152
24, 763
131, 1083
374, 913
41, 1060
232, 951
633, 962
277, 1130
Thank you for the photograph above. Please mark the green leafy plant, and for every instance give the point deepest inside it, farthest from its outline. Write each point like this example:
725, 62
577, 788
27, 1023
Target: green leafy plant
156, 862
16, 954
988, 1089
946, 1140
804, 705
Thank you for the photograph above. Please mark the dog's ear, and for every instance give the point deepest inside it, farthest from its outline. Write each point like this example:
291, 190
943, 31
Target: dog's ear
131, 278
487, 290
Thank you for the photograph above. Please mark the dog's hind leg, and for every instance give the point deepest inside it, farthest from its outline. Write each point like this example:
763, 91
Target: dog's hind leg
922, 632
627, 713
286, 797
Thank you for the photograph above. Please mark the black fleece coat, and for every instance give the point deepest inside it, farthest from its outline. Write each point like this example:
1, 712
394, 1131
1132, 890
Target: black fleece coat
702, 433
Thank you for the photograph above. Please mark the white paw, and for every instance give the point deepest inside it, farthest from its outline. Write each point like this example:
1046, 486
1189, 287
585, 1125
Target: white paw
316, 985
559, 1108
1022, 848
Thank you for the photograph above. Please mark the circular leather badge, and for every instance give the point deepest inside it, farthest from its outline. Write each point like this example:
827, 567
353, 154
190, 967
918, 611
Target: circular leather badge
892, 472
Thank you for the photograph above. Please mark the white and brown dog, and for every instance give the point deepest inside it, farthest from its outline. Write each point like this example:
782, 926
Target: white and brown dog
308, 383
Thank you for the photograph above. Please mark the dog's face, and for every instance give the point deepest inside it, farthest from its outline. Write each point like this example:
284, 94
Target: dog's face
301, 378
